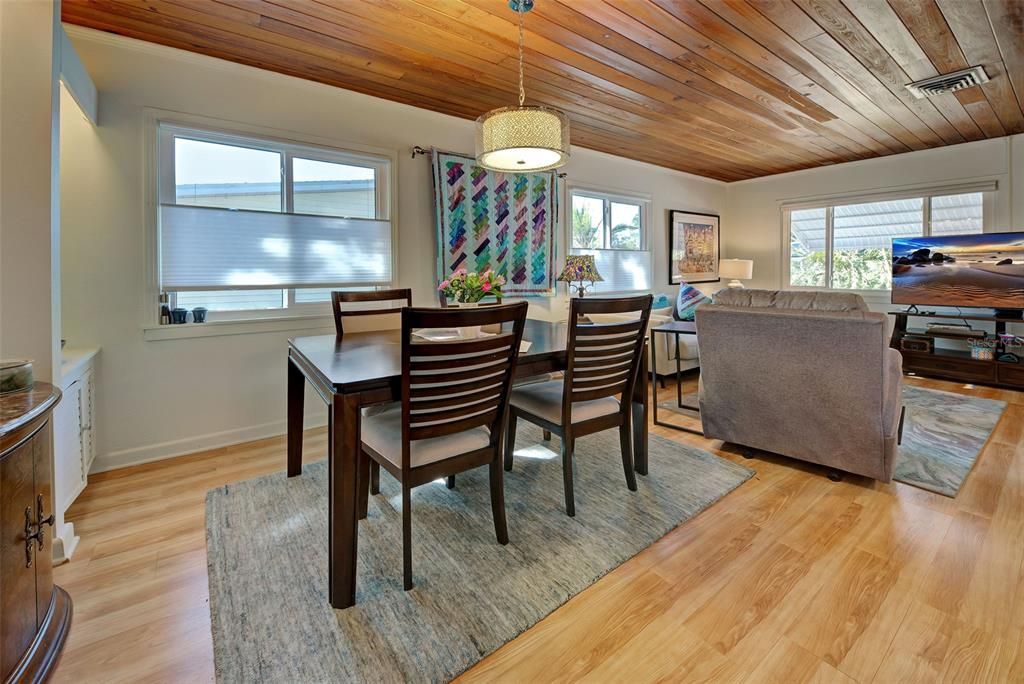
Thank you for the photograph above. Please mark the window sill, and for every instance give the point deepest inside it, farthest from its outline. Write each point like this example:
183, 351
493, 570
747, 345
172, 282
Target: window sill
251, 326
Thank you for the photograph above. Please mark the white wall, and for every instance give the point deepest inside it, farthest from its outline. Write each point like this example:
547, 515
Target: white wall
29, 266
752, 221
163, 398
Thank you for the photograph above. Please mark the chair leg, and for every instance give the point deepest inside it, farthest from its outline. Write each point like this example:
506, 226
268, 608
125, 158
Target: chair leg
374, 477
661, 381
626, 444
363, 485
450, 482
510, 441
498, 501
407, 536
568, 444
547, 435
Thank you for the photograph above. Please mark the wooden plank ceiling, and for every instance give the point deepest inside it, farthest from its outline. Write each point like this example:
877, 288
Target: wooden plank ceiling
729, 89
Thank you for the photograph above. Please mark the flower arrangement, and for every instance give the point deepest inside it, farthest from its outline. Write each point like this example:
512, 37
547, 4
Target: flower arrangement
469, 288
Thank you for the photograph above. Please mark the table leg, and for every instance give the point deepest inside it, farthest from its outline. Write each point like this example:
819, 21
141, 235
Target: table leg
641, 397
343, 461
296, 394
654, 378
679, 374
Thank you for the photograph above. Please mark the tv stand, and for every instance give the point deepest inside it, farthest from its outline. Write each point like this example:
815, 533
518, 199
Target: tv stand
955, 364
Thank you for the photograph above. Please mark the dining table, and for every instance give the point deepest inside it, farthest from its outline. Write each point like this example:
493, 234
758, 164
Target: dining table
357, 370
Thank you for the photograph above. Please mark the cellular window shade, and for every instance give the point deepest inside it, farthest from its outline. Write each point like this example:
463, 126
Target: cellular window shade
623, 270
204, 248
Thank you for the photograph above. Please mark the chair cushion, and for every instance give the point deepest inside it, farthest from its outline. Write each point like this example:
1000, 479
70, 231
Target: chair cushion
379, 408
383, 433
544, 400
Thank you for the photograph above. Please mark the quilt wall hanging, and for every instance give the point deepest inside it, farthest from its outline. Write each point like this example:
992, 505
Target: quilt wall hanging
499, 221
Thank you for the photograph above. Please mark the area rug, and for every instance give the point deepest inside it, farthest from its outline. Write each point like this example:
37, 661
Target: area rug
267, 550
943, 434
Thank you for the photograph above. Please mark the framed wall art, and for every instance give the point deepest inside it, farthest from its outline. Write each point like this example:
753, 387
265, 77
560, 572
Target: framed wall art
693, 247
500, 221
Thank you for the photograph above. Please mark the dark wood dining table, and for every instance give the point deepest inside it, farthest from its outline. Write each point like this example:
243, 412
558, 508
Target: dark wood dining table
362, 369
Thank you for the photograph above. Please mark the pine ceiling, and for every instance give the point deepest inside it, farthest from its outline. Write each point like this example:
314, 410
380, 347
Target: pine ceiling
729, 89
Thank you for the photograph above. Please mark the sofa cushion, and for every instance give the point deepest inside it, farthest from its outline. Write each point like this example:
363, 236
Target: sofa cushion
687, 301
787, 299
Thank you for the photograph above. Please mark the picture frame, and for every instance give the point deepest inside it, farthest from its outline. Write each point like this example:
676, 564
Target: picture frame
694, 247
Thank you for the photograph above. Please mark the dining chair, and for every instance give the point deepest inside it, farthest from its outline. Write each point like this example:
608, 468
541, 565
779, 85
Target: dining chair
594, 394
543, 377
339, 299
453, 411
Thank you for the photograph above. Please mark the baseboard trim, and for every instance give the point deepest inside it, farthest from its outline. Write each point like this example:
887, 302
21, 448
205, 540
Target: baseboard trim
190, 445
65, 541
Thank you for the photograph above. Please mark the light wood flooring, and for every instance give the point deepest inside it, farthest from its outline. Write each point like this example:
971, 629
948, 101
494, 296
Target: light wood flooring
791, 578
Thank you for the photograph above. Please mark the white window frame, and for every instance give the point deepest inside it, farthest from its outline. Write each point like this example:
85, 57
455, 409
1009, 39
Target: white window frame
163, 127
987, 188
607, 196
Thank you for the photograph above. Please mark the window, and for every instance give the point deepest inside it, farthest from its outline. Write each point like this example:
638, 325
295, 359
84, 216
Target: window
613, 229
250, 225
849, 246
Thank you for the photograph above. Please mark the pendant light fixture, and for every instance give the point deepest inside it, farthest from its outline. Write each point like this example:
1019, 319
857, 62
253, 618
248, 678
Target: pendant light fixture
522, 139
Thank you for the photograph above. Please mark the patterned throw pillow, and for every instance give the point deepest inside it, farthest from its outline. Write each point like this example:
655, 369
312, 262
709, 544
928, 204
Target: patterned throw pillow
687, 301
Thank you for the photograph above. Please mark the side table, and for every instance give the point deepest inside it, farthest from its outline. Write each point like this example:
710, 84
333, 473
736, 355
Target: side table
675, 328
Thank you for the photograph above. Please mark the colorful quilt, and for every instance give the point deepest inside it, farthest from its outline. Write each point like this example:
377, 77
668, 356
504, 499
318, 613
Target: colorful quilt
501, 221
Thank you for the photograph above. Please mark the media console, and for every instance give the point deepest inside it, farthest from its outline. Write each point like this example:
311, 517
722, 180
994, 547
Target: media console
955, 364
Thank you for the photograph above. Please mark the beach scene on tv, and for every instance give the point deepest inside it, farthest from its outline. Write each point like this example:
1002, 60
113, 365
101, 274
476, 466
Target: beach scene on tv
985, 270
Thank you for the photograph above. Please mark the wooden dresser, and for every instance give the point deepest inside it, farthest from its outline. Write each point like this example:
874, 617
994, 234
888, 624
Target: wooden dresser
35, 615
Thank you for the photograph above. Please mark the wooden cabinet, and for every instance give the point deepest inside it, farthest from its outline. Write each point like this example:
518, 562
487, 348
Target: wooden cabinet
34, 613
955, 364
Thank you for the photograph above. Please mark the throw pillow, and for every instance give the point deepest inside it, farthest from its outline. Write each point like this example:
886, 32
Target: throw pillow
687, 301
661, 301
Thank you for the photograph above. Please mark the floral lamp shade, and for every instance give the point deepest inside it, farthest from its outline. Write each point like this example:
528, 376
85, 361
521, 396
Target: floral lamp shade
578, 269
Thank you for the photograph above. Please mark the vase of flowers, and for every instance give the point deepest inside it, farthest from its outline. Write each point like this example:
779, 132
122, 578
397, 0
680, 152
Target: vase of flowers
468, 289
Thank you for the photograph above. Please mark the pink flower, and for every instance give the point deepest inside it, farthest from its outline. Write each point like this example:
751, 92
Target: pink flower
443, 285
486, 287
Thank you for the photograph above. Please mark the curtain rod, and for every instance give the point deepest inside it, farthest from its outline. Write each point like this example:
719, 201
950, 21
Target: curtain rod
418, 150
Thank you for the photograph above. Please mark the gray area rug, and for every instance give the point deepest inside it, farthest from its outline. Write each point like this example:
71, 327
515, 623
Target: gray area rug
267, 560
943, 434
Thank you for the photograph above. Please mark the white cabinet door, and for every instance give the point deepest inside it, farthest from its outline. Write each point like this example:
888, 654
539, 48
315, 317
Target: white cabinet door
86, 419
68, 475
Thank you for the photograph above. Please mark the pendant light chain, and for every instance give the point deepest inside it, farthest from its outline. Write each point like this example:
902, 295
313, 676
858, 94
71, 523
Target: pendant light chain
522, 90
521, 139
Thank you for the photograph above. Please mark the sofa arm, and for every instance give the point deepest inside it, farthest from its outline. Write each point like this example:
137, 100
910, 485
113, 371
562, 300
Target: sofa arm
892, 391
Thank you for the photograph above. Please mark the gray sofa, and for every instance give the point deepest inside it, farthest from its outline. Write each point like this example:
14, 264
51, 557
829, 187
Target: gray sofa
803, 374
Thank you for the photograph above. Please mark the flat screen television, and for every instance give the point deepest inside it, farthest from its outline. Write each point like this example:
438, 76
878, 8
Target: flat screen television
983, 270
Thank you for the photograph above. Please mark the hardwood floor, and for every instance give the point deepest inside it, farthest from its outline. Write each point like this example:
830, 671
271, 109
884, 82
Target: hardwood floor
791, 578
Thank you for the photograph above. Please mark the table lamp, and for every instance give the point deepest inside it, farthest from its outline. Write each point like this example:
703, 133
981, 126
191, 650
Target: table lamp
580, 268
737, 270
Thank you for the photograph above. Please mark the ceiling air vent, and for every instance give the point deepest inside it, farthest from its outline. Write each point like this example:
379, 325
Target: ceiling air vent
948, 83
